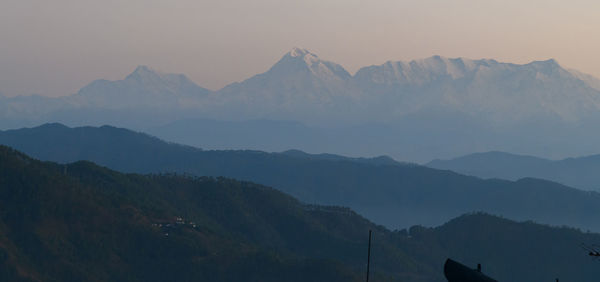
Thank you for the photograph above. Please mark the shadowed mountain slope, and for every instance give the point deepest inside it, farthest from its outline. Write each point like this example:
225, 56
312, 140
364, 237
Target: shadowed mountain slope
82, 222
397, 195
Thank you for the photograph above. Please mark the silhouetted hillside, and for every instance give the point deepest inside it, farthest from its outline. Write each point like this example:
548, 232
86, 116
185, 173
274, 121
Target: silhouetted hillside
511, 251
381, 160
396, 195
81, 222
581, 172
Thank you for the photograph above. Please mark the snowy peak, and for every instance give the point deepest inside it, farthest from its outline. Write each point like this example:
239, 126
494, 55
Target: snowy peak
300, 60
298, 52
148, 78
143, 70
551, 63
299, 86
143, 73
144, 87
309, 58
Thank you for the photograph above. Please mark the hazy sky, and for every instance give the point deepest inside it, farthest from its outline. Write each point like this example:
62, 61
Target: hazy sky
56, 47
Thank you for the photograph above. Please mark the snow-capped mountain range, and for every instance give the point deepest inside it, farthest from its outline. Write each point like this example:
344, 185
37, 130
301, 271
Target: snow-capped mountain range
301, 86
498, 92
418, 97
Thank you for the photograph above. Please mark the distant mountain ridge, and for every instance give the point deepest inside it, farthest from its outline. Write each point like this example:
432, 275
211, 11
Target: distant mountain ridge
500, 92
579, 172
381, 160
394, 194
414, 111
144, 88
301, 81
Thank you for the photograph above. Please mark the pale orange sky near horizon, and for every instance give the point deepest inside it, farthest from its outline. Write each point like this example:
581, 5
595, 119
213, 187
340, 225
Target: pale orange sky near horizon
56, 47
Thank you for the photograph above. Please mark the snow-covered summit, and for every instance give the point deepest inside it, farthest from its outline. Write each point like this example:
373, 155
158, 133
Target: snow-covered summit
144, 87
298, 52
301, 60
547, 67
299, 84
141, 72
309, 58
148, 77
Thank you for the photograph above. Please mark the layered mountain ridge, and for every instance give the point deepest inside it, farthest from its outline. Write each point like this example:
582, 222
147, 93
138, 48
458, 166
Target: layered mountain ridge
579, 172
83, 222
397, 195
415, 111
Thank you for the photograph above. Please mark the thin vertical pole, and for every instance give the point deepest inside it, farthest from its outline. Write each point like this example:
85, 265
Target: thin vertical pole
369, 256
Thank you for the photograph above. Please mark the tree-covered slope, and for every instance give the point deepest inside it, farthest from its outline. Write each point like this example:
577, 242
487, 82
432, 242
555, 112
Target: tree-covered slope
511, 251
396, 195
82, 222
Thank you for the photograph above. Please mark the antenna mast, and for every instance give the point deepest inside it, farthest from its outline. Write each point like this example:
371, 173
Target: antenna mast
369, 256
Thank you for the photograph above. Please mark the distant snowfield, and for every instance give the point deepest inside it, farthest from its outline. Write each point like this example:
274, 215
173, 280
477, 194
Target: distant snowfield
413, 111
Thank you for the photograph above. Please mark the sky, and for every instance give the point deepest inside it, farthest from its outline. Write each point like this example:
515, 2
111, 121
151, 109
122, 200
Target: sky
53, 48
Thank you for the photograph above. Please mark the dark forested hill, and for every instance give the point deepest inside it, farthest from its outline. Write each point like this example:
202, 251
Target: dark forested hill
396, 195
511, 251
82, 222
581, 172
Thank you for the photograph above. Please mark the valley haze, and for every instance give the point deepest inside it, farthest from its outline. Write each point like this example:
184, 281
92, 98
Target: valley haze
396, 195
413, 111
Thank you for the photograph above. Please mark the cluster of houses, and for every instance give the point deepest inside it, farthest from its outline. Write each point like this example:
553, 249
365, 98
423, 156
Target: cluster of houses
168, 227
328, 209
